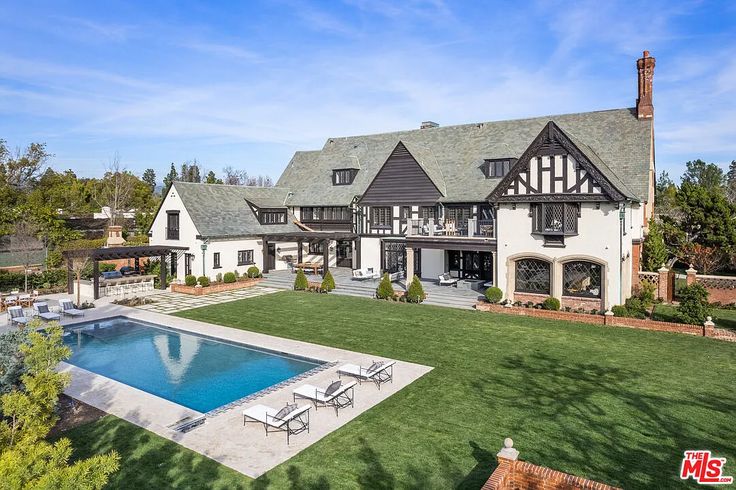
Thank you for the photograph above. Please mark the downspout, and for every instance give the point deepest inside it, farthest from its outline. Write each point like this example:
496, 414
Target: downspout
621, 216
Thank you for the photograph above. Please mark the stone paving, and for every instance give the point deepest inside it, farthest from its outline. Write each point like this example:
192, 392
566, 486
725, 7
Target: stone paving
167, 303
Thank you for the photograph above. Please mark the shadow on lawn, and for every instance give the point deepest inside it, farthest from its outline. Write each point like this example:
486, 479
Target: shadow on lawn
605, 427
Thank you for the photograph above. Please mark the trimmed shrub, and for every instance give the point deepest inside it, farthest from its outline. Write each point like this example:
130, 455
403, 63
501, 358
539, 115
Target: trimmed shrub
620, 311
218, 277
415, 293
229, 278
203, 281
237, 274
300, 283
253, 271
694, 307
385, 290
328, 282
647, 294
551, 304
494, 294
635, 308
190, 280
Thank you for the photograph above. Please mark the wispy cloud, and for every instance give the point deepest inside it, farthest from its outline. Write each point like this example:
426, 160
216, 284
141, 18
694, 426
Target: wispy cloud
223, 50
99, 30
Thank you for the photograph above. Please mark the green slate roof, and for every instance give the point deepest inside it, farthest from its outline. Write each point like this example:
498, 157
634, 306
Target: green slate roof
219, 210
615, 140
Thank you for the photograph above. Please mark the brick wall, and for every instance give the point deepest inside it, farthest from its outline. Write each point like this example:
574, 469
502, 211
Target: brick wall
216, 287
609, 320
573, 302
522, 475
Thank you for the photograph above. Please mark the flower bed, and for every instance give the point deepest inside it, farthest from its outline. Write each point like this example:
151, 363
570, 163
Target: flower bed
217, 287
609, 320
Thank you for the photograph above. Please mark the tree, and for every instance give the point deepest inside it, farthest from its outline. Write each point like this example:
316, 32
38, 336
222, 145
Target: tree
190, 172
77, 261
115, 190
706, 260
23, 244
171, 177
328, 282
20, 170
665, 192
415, 293
149, 177
234, 177
654, 251
385, 290
11, 359
708, 175
731, 182
300, 282
706, 216
212, 178
27, 460
694, 307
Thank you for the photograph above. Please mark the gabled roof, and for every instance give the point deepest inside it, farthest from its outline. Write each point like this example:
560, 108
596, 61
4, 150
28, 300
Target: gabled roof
615, 140
219, 210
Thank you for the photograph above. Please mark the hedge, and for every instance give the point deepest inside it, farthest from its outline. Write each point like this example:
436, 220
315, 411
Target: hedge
36, 280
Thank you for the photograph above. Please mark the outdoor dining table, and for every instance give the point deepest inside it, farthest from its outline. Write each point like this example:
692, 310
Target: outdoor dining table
313, 266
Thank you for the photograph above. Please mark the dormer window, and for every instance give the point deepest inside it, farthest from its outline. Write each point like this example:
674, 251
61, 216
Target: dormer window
272, 217
497, 167
343, 176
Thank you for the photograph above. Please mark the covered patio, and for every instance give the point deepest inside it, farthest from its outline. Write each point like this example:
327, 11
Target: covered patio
96, 255
300, 237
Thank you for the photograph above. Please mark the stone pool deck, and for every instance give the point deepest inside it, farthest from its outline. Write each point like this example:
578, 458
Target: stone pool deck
223, 437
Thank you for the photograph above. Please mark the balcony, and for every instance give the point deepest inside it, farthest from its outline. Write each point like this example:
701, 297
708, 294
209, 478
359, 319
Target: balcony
470, 228
172, 233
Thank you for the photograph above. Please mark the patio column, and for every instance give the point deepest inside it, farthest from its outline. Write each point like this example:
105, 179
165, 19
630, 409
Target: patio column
409, 266
357, 253
162, 273
265, 255
325, 256
299, 252
96, 279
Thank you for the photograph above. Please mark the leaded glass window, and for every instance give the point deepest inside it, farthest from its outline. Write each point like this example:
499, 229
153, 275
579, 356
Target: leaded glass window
581, 278
555, 218
532, 276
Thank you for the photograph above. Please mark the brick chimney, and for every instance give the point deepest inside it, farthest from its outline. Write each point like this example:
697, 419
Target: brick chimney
645, 67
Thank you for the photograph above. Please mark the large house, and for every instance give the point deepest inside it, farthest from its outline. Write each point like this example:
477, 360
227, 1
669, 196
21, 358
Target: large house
549, 206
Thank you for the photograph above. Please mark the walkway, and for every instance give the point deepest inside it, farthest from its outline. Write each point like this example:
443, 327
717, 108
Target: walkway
436, 295
168, 302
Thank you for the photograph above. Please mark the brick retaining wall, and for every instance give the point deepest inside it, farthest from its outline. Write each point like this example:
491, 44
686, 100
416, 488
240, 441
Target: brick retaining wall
609, 320
216, 287
567, 301
518, 475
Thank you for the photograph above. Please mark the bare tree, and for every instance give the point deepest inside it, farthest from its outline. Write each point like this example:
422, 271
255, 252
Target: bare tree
115, 189
23, 244
241, 177
78, 263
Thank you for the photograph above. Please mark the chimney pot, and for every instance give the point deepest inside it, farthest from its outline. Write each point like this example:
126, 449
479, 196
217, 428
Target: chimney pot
644, 101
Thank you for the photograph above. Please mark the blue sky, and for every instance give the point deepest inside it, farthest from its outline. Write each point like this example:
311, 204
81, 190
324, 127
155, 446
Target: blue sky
248, 83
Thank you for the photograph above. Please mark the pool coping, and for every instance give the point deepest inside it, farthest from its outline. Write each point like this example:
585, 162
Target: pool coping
223, 437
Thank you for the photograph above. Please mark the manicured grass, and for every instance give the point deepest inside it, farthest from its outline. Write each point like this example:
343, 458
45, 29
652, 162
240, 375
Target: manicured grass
721, 317
612, 404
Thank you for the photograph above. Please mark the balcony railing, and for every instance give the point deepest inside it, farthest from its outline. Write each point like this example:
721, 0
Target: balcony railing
172, 233
472, 228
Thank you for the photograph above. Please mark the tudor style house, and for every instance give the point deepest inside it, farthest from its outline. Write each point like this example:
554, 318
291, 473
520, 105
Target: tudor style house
548, 206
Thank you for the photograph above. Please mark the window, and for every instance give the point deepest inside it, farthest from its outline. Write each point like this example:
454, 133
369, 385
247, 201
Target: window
460, 216
216, 260
343, 176
381, 217
555, 218
316, 248
245, 257
405, 212
172, 225
532, 276
272, 217
497, 168
332, 213
582, 279
428, 212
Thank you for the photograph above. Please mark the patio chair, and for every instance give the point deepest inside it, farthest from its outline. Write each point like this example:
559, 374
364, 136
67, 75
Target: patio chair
363, 274
379, 372
447, 280
291, 419
336, 395
42, 310
16, 316
68, 309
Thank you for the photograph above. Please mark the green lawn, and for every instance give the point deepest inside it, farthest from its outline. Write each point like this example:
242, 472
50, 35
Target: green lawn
613, 404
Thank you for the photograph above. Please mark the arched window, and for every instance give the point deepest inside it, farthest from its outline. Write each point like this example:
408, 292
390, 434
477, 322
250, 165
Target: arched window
581, 278
532, 276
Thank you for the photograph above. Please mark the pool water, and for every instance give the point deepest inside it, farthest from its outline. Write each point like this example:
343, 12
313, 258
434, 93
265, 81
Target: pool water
194, 371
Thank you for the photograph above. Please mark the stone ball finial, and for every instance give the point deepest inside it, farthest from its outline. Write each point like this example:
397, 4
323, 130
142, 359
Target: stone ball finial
508, 442
709, 318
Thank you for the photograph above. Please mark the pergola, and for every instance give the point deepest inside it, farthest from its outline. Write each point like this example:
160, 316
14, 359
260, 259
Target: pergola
115, 253
306, 236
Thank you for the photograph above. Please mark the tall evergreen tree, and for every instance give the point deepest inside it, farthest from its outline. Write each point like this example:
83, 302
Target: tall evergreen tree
172, 177
149, 177
709, 175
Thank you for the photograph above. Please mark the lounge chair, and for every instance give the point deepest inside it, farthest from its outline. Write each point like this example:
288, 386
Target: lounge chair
363, 274
379, 372
42, 310
16, 316
337, 395
447, 280
291, 419
67, 308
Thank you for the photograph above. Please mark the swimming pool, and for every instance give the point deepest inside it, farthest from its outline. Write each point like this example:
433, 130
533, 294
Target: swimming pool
198, 372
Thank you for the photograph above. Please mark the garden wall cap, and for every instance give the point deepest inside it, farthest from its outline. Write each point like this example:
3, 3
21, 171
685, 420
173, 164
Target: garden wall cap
508, 451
